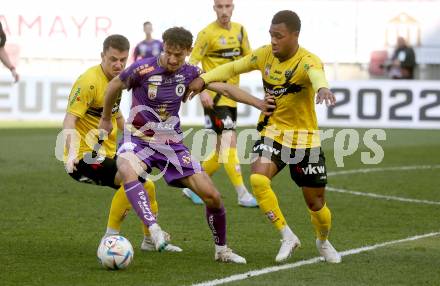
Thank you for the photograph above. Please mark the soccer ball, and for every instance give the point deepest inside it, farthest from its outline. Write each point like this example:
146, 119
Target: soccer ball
115, 252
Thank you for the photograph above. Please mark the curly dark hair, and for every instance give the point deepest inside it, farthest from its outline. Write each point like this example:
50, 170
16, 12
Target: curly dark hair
178, 36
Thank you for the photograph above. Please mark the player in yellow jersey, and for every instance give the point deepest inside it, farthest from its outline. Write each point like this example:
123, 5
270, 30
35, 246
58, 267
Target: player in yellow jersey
290, 135
222, 42
80, 125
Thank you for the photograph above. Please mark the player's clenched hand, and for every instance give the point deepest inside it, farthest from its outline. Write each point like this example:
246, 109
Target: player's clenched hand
268, 105
206, 100
106, 125
70, 165
324, 94
195, 87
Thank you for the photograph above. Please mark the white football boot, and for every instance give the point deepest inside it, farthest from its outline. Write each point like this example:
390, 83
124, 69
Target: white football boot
226, 255
288, 246
247, 201
157, 237
327, 251
148, 244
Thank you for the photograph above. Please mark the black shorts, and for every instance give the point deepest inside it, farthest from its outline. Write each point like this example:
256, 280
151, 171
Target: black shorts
307, 166
221, 118
101, 173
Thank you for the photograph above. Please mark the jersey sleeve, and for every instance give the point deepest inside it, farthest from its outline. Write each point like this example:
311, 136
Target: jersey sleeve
315, 70
245, 45
200, 48
131, 76
80, 98
246, 64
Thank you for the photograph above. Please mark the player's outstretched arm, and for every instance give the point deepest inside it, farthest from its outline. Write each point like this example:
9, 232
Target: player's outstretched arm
266, 106
114, 87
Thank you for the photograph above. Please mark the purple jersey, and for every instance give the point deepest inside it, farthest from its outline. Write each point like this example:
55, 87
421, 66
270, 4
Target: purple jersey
147, 49
157, 96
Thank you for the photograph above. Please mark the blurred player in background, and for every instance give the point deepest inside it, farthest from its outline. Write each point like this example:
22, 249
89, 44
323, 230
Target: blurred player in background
83, 113
290, 136
403, 61
221, 42
149, 47
153, 137
4, 58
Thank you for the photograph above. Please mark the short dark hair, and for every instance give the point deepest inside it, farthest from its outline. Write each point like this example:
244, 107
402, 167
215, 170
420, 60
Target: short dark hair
289, 18
178, 36
118, 42
147, 23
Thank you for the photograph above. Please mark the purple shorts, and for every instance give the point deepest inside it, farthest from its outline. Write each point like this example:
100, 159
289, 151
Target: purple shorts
173, 160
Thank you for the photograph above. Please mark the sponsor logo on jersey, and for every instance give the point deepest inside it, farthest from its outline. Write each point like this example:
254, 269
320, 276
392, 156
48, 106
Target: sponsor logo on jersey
144, 69
76, 96
179, 78
155, 79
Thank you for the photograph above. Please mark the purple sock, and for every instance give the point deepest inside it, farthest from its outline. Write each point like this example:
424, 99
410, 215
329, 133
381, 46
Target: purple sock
217, 223
138, 198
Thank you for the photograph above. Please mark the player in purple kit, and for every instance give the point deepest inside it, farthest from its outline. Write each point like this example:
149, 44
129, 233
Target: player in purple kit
153, 137
149, 47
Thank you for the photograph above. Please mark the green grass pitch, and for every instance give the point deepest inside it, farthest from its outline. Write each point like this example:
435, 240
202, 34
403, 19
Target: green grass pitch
51, 225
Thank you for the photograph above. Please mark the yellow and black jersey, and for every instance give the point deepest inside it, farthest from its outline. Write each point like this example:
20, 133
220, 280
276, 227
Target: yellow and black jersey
86, 101
294, 83
216, 46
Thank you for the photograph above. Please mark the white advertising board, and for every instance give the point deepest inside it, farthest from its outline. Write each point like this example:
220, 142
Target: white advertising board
375, 103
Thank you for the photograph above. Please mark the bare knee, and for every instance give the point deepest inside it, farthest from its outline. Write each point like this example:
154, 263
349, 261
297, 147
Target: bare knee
126, 172
212, 198
314, 198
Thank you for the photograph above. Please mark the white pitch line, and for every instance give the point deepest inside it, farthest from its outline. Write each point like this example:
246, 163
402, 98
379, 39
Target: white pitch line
401, 168
313, 260
373, 195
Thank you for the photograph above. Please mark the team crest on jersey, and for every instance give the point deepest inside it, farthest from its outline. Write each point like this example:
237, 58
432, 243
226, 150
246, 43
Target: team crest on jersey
267, 69
222, 40
180, 89
152, 91
288, 74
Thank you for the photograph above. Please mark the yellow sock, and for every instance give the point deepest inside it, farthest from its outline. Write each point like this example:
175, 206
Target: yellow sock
232, 166
118, 209
267, 200
211, 164
154, 206
322, 222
